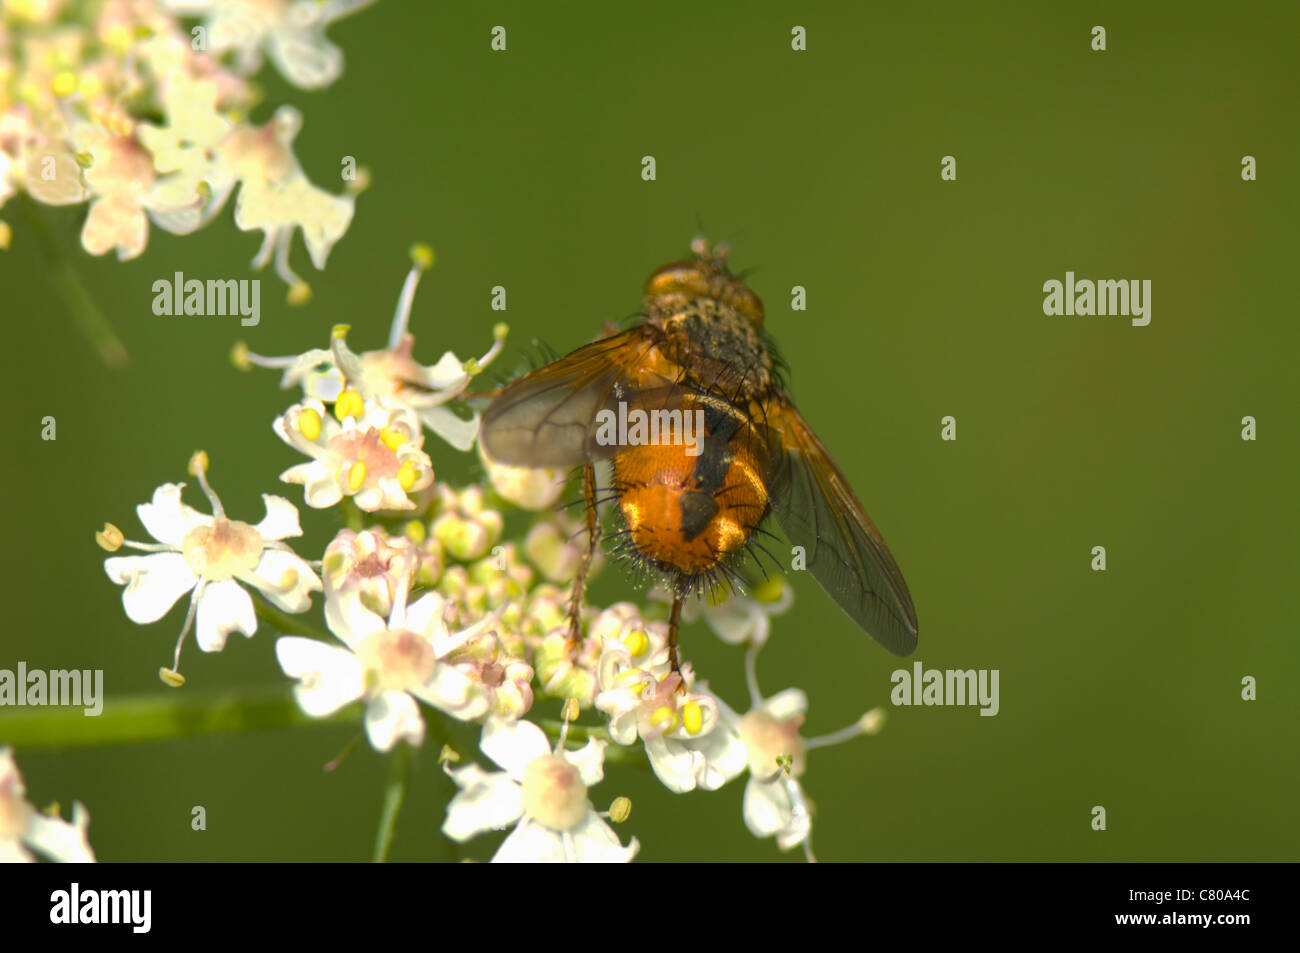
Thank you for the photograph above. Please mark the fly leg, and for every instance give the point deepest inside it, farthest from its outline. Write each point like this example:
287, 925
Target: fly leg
578, 592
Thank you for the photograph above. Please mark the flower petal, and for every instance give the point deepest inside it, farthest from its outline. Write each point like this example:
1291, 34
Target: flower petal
589, 760
285, 579
60, 840
787, 704
392, 717
513, 745
168, 519
281, 519
457, 432
224, 607
487, 801
330, 677
767, 808
594, 842
153, 583
531, 843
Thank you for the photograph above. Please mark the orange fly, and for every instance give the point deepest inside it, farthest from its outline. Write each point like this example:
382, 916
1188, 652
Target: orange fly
691, 498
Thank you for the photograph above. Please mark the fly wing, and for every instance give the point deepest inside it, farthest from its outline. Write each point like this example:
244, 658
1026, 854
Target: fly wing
549, 418
817, 510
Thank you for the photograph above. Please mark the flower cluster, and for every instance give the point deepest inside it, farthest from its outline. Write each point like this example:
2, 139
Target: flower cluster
118, 105
435, 611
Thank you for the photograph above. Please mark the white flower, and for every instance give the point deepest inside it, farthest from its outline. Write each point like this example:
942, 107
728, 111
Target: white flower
392, 374
292, 34
22, 826
775, 804
367, 568
209, 557
687, 743
543, 793
389, 664
369, 451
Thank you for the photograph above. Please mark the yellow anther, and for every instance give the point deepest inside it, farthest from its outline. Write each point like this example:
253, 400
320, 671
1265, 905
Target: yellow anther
407, 474
637, 642
415, 531
64, 83
199, 463
422, 255
6, 236
239, 356
349, 404
289, 579
309, 423
471, 367
770, 590
872, 721
203, 190
628, 675
110, 538
356, 476
170, 677
500, 330
85, 158
620, 810
299, 294
570, 710
143, 32
663, 717
448, 755
340, 331
692, 718
392, 438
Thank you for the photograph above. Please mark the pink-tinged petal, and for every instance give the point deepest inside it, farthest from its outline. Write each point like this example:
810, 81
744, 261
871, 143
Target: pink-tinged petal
285, 579
589, 760
281, 520
787, 704
531, 843
59, 840
329, 676
767, 807
224, 607
392, 717
724, 757
167, 519
153, 583
115, 221
487, 801
461, 434
513, 744
594, 842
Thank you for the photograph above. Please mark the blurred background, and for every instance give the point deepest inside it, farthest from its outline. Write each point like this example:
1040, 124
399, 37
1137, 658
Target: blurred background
924, 299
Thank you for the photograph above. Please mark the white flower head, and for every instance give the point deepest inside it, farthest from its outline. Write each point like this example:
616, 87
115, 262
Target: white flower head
213, 558
686, 741
392, 373
542, 792
370, 451
23, 827
388, 663
526, 487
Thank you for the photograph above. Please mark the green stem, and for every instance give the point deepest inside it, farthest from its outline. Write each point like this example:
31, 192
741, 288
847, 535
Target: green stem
85, 312
177, 713
399, 775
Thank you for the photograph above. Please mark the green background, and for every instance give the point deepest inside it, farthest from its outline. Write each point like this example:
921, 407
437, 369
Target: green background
1120, 689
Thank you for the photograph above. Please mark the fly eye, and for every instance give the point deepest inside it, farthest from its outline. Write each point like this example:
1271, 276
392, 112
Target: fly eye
681, 278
